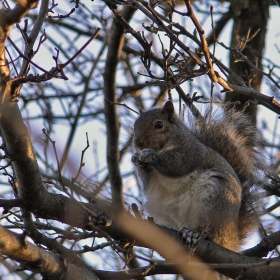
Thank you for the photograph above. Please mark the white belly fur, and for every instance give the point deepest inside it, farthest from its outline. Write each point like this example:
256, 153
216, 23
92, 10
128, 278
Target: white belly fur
177, 202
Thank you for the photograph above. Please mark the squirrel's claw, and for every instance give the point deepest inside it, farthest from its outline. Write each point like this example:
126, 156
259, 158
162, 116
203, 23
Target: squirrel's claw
135, 160
191, 237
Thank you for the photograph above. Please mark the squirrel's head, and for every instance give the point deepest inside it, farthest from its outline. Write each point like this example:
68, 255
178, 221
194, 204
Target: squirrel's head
153, 128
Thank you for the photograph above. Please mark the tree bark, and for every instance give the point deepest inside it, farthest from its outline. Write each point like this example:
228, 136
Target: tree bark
248, 15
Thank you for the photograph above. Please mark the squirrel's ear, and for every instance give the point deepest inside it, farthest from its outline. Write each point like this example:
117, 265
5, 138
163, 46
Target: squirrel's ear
168, 109
141, 111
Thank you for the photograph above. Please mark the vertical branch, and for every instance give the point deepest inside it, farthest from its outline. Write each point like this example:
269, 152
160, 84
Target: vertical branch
13, 130
249, 15
112, 123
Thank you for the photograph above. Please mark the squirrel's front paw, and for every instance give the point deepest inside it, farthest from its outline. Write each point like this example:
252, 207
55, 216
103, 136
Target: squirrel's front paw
142, 159
147, 155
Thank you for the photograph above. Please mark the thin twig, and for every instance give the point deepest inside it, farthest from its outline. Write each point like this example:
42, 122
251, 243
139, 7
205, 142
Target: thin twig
81, 162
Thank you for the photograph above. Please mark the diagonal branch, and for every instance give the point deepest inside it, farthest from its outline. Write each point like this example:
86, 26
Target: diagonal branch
33, 35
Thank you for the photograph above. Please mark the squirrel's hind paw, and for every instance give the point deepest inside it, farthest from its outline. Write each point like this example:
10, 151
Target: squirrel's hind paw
191, 237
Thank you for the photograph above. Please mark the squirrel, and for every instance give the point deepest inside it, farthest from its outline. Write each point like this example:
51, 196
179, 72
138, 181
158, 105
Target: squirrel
199, 175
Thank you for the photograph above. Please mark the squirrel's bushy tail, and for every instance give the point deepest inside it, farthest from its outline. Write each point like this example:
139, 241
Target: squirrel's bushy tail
232, 135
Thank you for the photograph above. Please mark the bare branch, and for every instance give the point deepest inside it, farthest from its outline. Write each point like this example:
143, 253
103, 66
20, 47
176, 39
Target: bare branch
37, 259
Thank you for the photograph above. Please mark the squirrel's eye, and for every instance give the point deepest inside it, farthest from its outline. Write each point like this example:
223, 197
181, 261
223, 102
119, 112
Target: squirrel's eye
158, 125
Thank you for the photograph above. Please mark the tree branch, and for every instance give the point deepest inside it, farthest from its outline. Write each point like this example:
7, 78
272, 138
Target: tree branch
115, 46
39, 260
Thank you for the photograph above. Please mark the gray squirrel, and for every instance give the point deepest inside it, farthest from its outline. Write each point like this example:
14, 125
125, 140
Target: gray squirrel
199, 175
